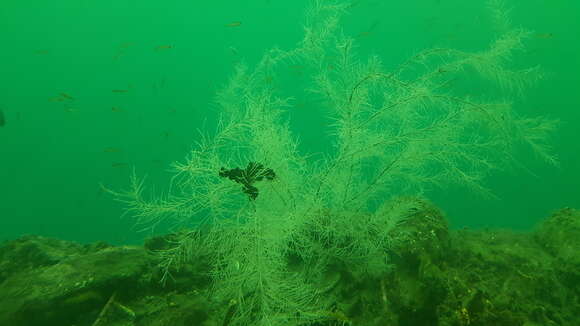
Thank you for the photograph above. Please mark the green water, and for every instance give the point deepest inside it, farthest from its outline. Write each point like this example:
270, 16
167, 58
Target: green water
91, 90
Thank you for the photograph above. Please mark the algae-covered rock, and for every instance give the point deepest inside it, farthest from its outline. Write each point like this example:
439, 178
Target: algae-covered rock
68, 285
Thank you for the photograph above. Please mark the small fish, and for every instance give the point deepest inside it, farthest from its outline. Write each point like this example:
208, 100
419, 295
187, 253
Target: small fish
545, 35
160, 84
164, 47
234, 24
269, 79
116, 109
120, 90
2, 118
41, 52
300, 104
122, 50
370, 30
112, 150
233, 50
66, 96
354, 3
118, 55
118, 165
363, 34
61, 98
125, 45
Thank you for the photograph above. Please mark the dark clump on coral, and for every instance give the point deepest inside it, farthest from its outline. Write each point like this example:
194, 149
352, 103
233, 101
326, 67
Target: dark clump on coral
437, 277
247, 177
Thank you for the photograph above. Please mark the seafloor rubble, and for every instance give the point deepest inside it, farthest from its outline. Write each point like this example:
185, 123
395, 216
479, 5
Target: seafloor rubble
439, 277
